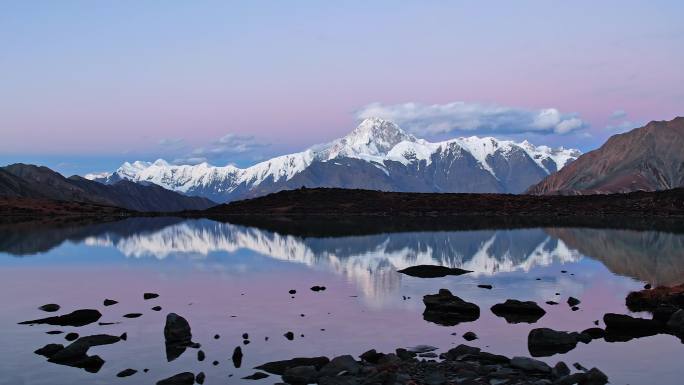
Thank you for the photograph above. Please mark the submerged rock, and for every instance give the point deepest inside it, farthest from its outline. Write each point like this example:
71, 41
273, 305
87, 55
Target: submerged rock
447, 309
132, 315
514, 311
76, 353
185, 378
488, 287
76, 318
50, 307
621, 327
279, 367
432, 271
544, 342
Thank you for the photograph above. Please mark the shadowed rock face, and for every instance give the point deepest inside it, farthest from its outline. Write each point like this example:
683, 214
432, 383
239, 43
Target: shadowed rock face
648, 158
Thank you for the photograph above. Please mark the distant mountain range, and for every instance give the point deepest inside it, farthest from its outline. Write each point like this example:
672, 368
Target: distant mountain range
29, 181
649, 158
376, 155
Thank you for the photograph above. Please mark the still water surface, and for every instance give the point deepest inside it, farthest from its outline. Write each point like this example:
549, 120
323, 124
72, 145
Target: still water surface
229, 280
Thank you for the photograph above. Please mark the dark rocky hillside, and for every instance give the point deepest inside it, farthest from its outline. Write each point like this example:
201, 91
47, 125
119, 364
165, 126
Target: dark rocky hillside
29, 181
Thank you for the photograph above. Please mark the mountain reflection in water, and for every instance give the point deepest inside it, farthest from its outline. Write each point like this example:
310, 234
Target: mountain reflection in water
372, 260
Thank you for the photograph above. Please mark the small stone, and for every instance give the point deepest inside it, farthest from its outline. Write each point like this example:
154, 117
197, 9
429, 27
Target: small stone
71, 336
54, 332
574, 308
109, 302
50, 307
648, 286
237, 357
126, 373
560, 370
488, 287
317, 288
147, 296
132, 315
216, 336
157, 308
199, 378
200, 355
572, 301
215, 363
289, 336
551, 303
124, 336
469, 336
293, 291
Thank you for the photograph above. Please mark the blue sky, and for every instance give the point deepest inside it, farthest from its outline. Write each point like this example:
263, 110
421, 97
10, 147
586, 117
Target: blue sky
87, 85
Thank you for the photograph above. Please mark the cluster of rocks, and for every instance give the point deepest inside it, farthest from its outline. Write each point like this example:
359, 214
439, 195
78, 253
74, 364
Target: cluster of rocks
460, 365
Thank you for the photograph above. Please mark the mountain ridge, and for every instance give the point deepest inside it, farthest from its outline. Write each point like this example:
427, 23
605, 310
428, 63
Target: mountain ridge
377, 154
39, 182
648, 158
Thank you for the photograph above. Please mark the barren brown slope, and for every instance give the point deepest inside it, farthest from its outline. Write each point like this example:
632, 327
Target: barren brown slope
649, 158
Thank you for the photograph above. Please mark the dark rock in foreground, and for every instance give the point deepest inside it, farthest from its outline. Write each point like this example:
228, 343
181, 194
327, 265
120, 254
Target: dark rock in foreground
185, 378
432, 271
76, 318
76, 353
544, 342
515, 311
177, 336
279, 367
447, 309
461, 365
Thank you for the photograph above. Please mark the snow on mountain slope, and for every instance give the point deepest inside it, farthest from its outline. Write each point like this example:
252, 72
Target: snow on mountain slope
378, 145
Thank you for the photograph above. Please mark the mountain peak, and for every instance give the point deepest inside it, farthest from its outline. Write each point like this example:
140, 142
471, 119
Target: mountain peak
375, 136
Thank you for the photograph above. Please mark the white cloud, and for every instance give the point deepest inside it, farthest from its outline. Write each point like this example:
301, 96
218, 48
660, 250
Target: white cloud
618, 114
219, 150
474, 118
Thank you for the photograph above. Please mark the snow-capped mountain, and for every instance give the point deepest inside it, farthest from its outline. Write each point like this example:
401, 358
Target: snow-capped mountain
376, 155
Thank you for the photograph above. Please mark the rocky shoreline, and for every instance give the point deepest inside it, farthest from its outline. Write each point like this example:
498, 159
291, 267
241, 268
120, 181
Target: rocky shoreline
460, 365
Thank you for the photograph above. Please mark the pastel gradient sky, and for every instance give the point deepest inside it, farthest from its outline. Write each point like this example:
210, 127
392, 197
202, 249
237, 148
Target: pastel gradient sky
85, 85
